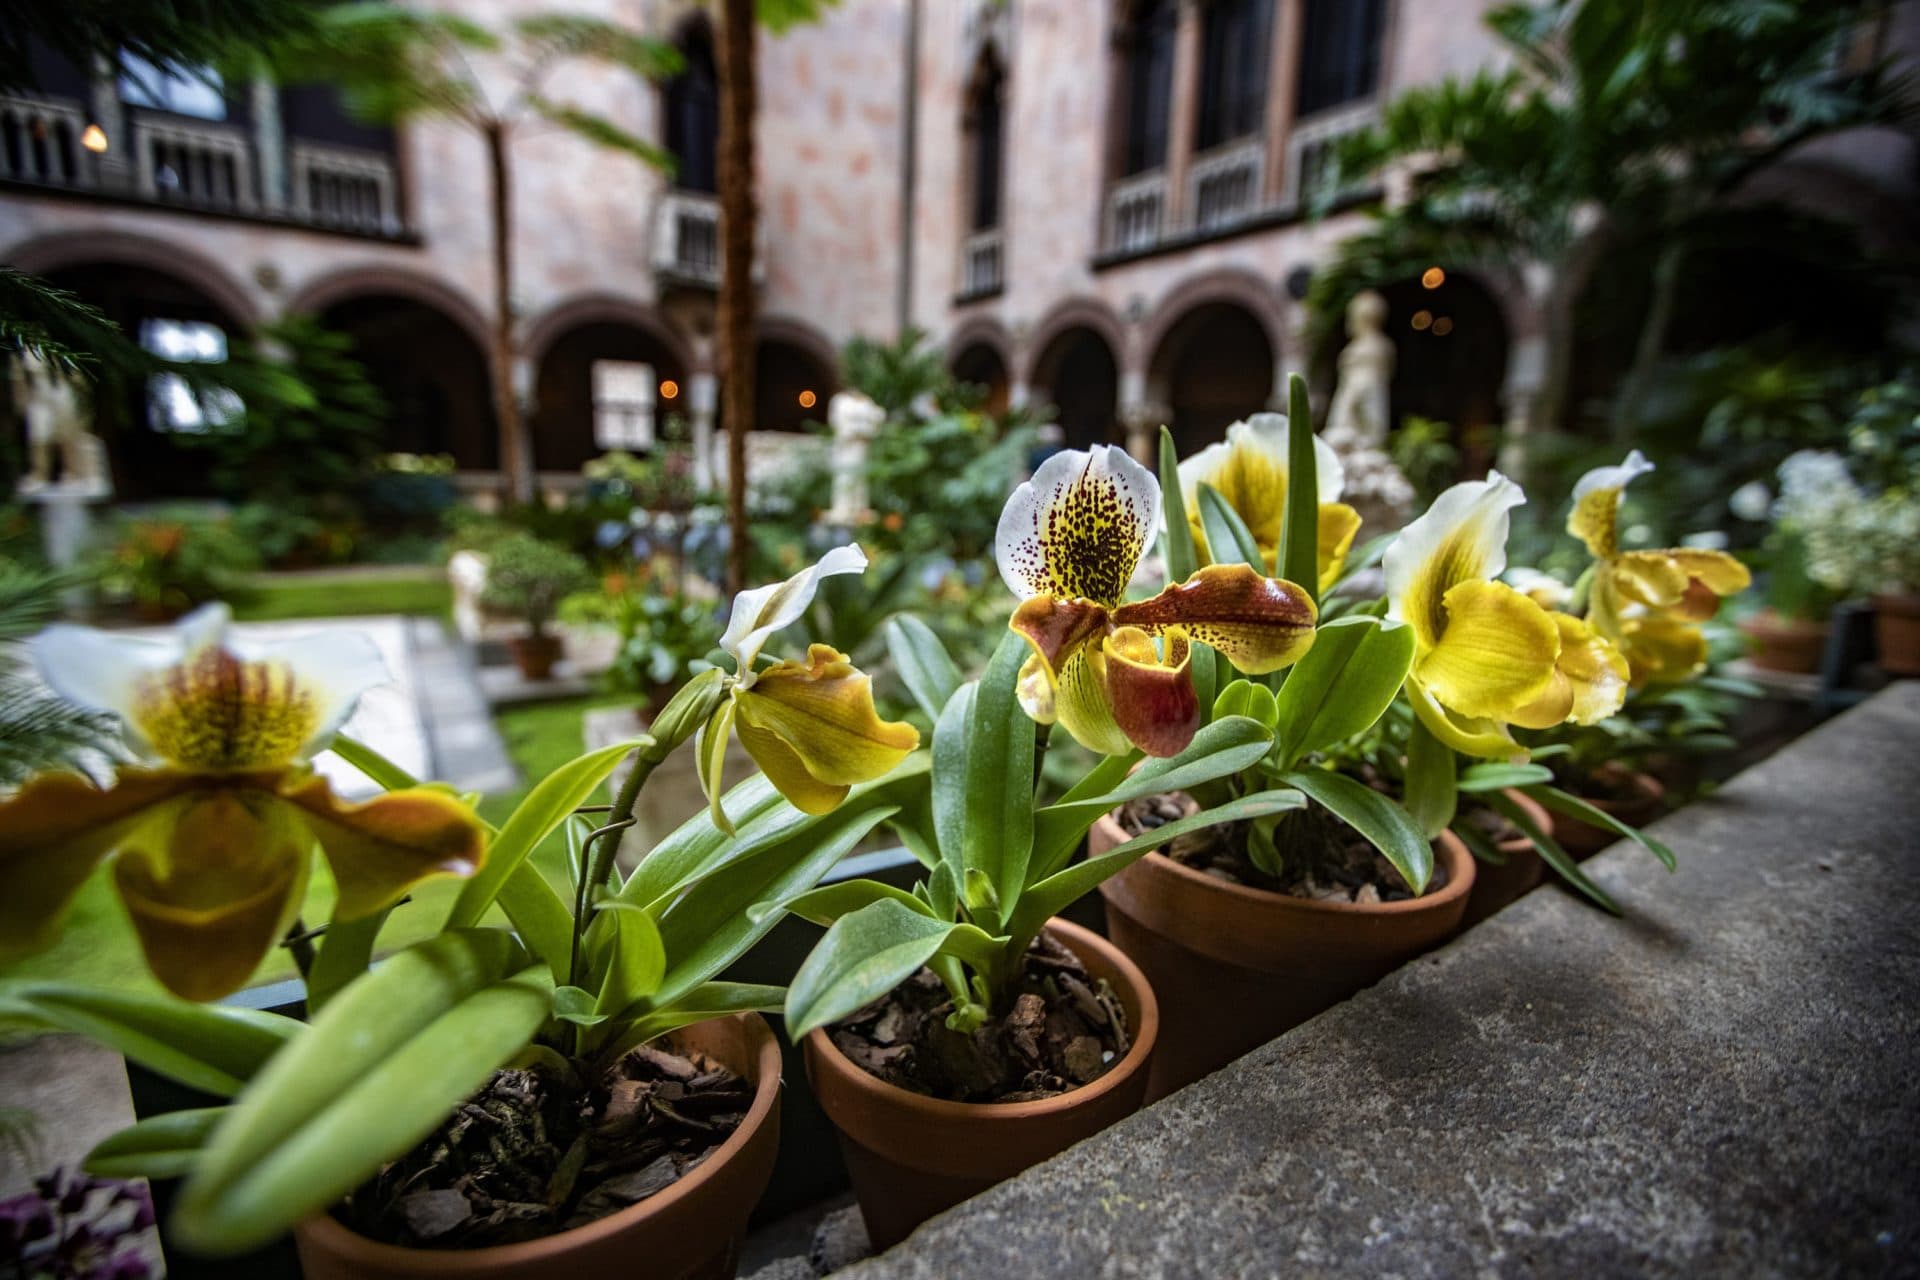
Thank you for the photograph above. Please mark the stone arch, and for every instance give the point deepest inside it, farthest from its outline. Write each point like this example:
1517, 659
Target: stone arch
1077, 371
794, 332
602, 308
980, 352
1242, 288
980, 331
371, 279
1212, 364
1076, 313
42, 255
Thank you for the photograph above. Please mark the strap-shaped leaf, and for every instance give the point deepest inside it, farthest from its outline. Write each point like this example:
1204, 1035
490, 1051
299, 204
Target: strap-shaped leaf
1229, 541
1432, 793
1574, 807
952, 748
998, 841
346, 949
1494, 775
1344, 683
1245, 698
163, 1146
1300, 528
826, 904
924, 664
1053, 895
869, 953
1386, 826
1550, 851
382, 771
629, 958
213, 1048
708, 1000
244, 1192
546, 807
1182, 556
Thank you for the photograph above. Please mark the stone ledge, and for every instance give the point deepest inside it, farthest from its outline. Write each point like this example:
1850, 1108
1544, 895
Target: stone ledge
1720, 1083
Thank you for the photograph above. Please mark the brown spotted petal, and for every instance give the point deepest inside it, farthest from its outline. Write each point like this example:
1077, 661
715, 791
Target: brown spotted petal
1151, 694
1258, 624
1056, 627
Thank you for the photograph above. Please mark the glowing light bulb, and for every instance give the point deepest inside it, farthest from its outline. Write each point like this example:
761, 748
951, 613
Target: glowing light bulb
1433, 277
669, 389
94, 139
1422, 318
807, 399
1443, 326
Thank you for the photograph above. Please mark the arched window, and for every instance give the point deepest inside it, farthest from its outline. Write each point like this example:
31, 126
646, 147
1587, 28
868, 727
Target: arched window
1149, 41
1340, 52
985, 138
1233, 71
693, 111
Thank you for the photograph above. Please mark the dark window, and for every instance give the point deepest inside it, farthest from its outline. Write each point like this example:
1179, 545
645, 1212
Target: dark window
1233, 71
1149, 85
984, 124
1340, 52
693, 113
317, 113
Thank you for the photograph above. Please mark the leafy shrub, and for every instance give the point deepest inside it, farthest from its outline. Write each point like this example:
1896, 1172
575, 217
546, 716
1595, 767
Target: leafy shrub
528, 578
166, 564
666, 636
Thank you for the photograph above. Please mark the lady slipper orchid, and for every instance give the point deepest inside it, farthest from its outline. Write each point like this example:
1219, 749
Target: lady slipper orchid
1249, 470
1486, 655
1116, 675
211, 842
1648, 603
810, 726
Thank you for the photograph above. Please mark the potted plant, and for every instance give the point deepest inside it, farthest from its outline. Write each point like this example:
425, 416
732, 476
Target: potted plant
960, 1032
1817, 500
1893, 540
527, 577
576, 1093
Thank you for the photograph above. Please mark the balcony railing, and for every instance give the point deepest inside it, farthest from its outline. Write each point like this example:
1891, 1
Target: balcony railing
199, 165
1310, 150
1136, 212
686, 239
40, 142
1226, 184
980, 264
344, 189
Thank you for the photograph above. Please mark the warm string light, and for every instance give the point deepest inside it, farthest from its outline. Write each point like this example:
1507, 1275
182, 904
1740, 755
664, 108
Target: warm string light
669, 389
1421, 319
808, 399
94, 139
1433, 277
1443, 326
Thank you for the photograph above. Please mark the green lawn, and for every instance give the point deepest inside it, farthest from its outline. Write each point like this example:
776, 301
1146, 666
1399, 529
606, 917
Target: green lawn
406, 589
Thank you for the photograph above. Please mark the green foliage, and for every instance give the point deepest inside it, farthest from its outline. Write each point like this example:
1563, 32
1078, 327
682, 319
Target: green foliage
182, 32
528, 578
38, 731
665, 637
166, 564
1426, 454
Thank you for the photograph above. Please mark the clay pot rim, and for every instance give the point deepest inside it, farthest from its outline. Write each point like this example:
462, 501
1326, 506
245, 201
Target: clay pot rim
1644, 784
1132, 1062
1770, 620
353, 1247
1460, 864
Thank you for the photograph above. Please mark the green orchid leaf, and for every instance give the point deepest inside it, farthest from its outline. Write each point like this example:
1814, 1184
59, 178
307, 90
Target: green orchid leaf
1432, 791
383, 1064
987, 819
1299, 560
346, 949
1550, 851
1245, 698
1385, 824
546, 807
1478, 844
924, 664
1182, 556
1558, 801
708, 1000
380, 770
575, 1005
1053, 895
213, 1048
629, 957
1342, 686
163, 1146
1228, 539
1492, 775
829, 902
952, 749
869, 953
1370, 553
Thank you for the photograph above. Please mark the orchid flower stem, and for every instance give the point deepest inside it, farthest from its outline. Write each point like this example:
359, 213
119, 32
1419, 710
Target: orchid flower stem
299, 944
598, 851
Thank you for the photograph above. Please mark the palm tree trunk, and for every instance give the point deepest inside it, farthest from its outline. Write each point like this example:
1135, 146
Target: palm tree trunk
516, 459
737, 93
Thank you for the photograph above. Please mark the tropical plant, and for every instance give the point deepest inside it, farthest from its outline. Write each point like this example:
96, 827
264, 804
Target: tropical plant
166, 564
664, 636
39, 730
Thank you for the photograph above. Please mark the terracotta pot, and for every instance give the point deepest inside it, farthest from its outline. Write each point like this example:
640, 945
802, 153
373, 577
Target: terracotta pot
1647, 797
1896, 633
1495, 888
1780, 643
1235, 966
535, 654
690, 1231
912, 1156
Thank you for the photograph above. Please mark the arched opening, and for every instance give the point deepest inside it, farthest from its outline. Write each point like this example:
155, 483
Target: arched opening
1214, 366
1078, 375
985, 130
1146, 52
693, 110
1450, 347
978, 364
431, 371
602, 385
791, 386
141, 422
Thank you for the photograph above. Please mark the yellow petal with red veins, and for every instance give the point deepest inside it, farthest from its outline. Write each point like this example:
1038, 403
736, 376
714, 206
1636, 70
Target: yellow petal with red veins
1258, 624
822, 711
55, 831
1152, 696
211, 892
1080, 702
1589, 680
1338, 525
1662, 650
1056, 627
1495, 654
381, 848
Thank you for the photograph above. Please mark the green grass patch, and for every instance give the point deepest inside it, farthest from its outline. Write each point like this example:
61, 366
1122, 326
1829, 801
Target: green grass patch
280, 597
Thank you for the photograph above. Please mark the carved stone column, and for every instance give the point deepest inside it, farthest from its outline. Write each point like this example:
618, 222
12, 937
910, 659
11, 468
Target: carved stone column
1182, 115
269, 146
1283, 91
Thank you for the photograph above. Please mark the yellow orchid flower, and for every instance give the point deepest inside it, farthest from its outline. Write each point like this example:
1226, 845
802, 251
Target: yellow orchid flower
1487, 656
1648, 602
211, 842
810, 726
1116, 675
1250, 472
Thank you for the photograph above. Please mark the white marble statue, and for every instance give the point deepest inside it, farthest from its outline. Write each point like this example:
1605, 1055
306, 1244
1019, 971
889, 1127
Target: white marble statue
55, 409
1359, 413
855, 420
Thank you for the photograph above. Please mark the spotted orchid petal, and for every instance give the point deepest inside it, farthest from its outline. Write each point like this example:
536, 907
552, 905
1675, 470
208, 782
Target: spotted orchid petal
1055, 627
1589, 680
1462, 537
763, 611
1596, 503
1258, 624
813, 730
1077, 530
1151, 694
